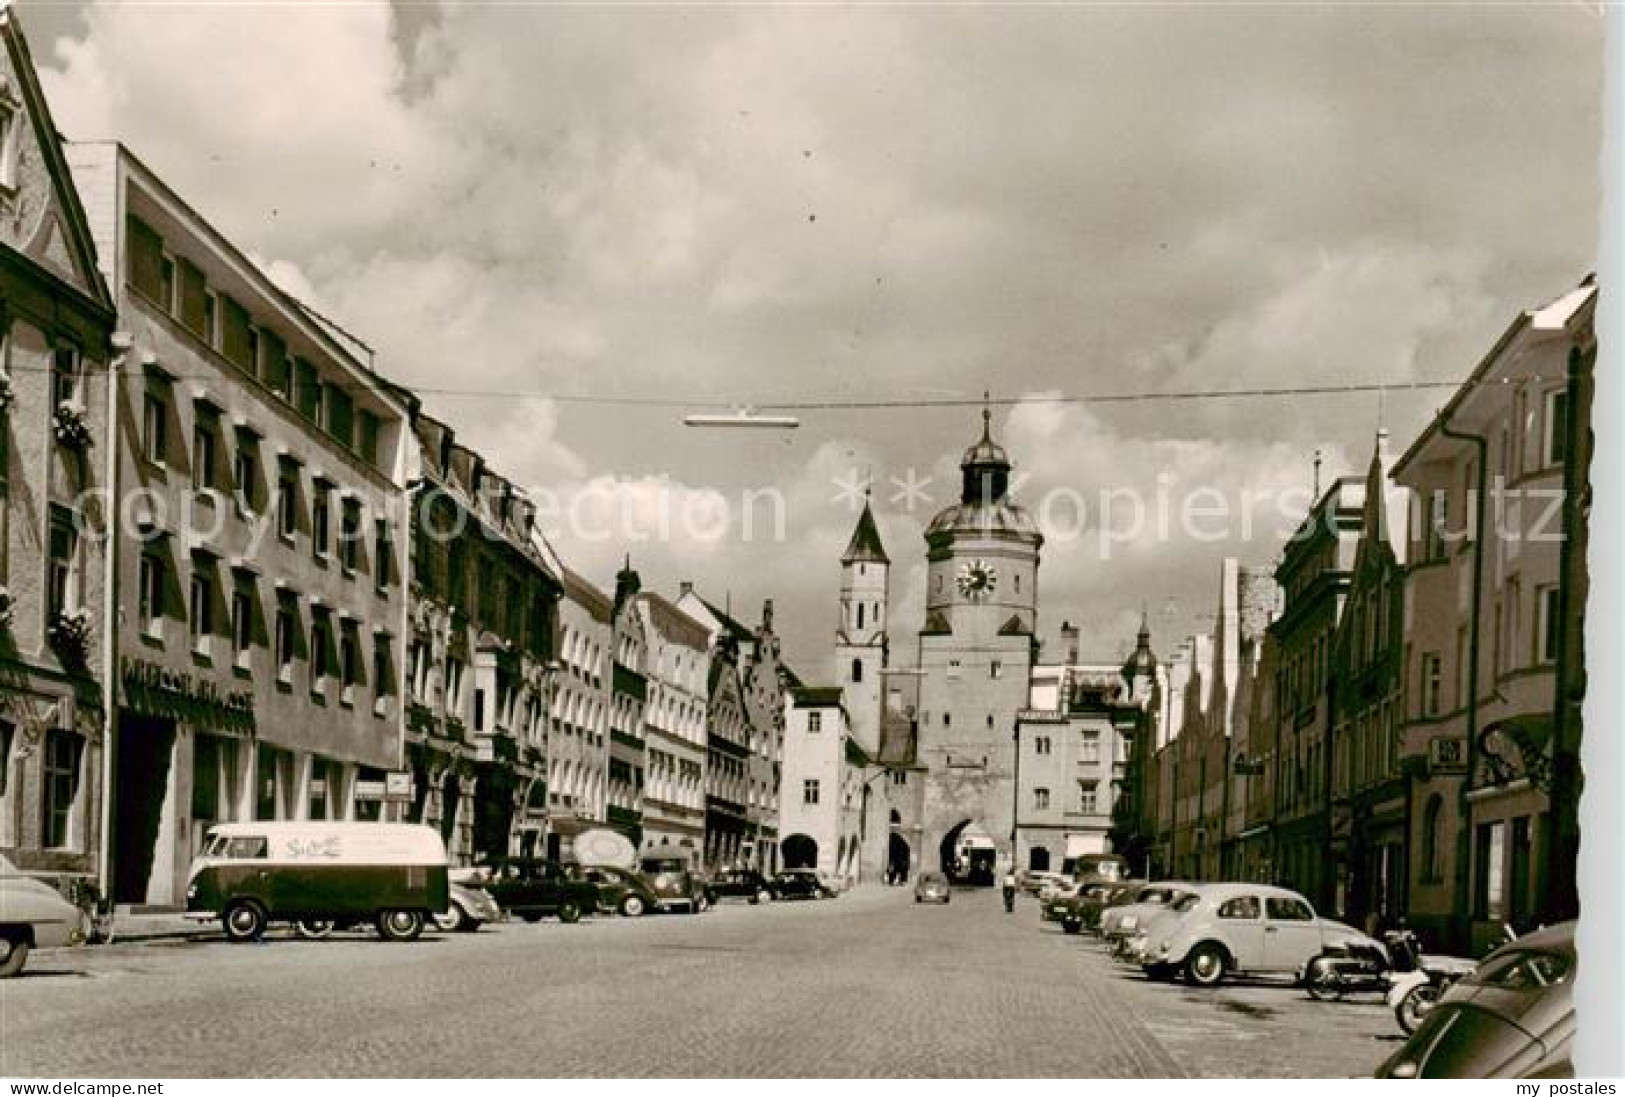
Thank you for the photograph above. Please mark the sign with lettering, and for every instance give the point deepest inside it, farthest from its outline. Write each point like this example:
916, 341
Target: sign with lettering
371, 790
154, 690
1447, 755
398, 786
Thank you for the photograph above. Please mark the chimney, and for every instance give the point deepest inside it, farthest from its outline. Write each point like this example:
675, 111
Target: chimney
1069, 634
686, 587
767, 615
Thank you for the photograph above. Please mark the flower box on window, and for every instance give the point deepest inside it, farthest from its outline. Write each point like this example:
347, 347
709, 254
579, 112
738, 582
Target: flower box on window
72, 425
69, 636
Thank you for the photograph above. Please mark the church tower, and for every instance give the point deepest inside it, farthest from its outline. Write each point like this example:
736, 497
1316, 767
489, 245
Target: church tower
975, 663
860, 641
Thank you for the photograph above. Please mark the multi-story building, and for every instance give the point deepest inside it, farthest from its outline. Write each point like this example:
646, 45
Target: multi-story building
578, 741
762, 684
259, 595
826, 773
1314, 576
629, 692
56, 337
727, 757
1368, 790
478, 649
1493, 618
674, 720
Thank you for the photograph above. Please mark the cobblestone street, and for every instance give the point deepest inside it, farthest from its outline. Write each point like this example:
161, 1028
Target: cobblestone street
868, 984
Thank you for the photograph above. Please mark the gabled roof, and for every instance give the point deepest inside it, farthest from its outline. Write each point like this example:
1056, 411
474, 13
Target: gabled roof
80, 241
728, 623
580, 590
865, 546
817, 696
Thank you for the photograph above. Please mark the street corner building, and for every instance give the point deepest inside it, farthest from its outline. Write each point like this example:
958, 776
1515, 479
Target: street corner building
258, 593
56, 339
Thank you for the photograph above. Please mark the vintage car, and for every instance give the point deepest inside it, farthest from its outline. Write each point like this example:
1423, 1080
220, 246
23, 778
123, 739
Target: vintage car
1513, 1017
470, 908
1081, 909
741, 883
931, 887
319, 875
1120, 923
534, 888
675, 883
1226, 929
801, 883
618, 889
33, 915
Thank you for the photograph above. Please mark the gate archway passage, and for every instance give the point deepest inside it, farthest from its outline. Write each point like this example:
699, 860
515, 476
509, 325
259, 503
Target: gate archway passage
799, 851
969, 854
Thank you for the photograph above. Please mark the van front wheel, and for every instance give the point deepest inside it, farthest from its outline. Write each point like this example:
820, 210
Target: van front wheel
243, 921
400, 925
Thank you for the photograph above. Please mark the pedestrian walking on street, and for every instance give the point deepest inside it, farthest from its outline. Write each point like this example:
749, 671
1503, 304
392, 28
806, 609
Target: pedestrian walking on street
1009, 890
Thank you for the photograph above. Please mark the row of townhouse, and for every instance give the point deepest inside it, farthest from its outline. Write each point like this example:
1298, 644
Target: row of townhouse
1389, 719
243, 575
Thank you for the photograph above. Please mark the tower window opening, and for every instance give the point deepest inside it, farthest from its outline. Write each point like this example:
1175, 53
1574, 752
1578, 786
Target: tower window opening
857, 670
860, 614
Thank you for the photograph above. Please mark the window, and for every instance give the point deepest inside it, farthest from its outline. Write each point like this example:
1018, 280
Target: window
1555, 445
61, 787
237, 337
1088, 797
1490, 855
1041, 799
953, 668
320, 520
1432, 684
150, 273
245, 472
418, 669
1550, 623
285, 631
63, 575
367, 442
150, 595
1438, 515
995, 669
276, 369
809, 791
307, 390
860, 615
65, 375
287, 504
1042, 745
350, 535
320, 668
201, 615
384, 550
350, 667
857, 669
203, 452
1089, 749
154, 426
454, 684
192, 300
380, 673
815, 721
1241, 908
341, 417
242, 625
1287, 910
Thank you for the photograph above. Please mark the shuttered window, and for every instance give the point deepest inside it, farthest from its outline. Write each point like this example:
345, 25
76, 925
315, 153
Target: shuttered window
146, 272
194, 300
236, 334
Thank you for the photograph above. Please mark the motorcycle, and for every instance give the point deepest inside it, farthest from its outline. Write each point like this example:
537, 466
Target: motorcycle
1414, 993
1354, 968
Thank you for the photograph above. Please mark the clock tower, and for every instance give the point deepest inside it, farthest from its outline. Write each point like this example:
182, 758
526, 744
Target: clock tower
975, 659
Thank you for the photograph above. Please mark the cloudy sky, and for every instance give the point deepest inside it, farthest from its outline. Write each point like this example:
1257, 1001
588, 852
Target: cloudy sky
750, 205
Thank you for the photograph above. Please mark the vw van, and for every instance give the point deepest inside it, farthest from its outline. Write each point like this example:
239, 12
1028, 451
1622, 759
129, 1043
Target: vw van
392, 875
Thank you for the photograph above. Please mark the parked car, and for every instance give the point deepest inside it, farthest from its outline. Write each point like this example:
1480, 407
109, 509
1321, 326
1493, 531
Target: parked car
1054, 908
801, 883
534, 888
1102, 866
1032, 881
470, 908
1252, 928
675, 884
1081, 909
618, 890
1513, 1017
323, 874
931, 887
741, 883
33, 915
1121, 922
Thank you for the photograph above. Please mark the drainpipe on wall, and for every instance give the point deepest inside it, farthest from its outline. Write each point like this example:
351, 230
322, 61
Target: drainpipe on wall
120, 343
1463, 915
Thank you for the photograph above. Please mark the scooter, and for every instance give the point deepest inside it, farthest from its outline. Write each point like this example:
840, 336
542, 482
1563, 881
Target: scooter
1413, 994
1357, 967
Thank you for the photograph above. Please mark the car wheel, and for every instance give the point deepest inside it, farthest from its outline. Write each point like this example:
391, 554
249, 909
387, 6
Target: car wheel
633, 906
569, 912
763, 896
243, 921
400, 925
1416, 1004
701, 905
314, 929
1204, 967
454, 920
13, 955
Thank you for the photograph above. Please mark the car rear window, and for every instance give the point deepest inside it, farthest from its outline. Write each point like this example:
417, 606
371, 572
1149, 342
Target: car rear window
1467, 1043
1241, 907
1519, 970
1288, 910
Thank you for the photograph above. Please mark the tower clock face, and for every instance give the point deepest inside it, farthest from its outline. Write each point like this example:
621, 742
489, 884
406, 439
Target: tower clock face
977, 579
